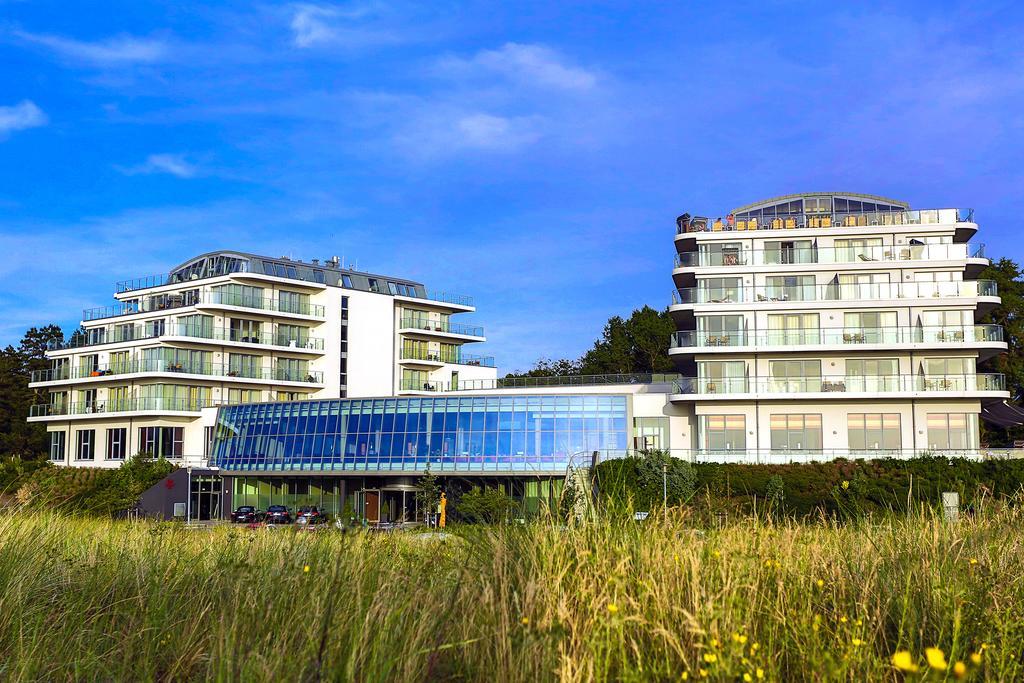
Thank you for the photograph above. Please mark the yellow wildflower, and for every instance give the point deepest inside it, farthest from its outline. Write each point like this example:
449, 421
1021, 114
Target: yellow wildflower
842, 620
612, 609
821, 584
976, 658
306, 569
846, 484
936, 658
747, 678
755, 647
857, 642
858, 622
959, 669
974, 561
714, 642
738, 638
524, 621
710, 657
904, 661
984, 646
685, 676
715, 554
703, 673
760, 673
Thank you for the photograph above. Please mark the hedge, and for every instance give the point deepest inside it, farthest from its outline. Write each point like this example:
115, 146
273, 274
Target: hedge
870, 485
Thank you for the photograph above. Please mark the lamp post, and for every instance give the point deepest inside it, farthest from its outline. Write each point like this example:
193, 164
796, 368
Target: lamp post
188, 497
664, 487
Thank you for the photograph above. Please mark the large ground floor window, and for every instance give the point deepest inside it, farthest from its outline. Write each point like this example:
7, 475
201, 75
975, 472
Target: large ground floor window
952, 431
161, 442
795, 432
723, 432
874, 431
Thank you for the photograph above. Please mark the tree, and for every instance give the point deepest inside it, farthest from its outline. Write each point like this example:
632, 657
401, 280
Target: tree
428, 493
1010, 314
638, 344
19, 437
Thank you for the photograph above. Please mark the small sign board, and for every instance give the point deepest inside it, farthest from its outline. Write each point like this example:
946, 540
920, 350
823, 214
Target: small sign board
640, 516
179, 510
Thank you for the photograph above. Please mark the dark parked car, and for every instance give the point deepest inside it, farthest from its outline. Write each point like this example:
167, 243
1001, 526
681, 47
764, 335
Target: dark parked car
245, 514
310, 515
278, 514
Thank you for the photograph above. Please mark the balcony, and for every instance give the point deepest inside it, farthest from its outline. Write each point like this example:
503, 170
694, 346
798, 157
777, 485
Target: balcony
118, 334
827, 220
267, 374
564, 381
849, 336
816, 255
835, 292
780, 387
199, 299
420, 324
127, 405
421, 386
449, 358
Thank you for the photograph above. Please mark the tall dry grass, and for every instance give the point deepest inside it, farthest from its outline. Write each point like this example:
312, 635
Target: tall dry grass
83, 599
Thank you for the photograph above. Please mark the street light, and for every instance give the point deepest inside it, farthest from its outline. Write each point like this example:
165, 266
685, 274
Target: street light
664, 487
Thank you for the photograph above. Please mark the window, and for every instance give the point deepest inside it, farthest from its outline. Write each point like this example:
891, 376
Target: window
793, 328
346, 281
290, 396
118, 398
155, 328
400, 289
374, 285
416, 380
120, 362
57, 445
318, 276
864, 286
343, 362
88, 365
946, 326
719, 289
795, 432
95, 335
161, 442
293, 302
721, 330
722, 254
117, 443
952, 431
872, 374
209, 431
874, 431
244, 395
717, 376
244, 365
650, 432
292, 335
789, 251
196, 326
860, 249
85, 446
291, 370
795, 375
724, 432
870, 327
243, 330
947, 373
789, 288
239, 295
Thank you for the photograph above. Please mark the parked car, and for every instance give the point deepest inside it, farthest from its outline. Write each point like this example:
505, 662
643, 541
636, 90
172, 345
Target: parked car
245, 514
310, 514
278, 514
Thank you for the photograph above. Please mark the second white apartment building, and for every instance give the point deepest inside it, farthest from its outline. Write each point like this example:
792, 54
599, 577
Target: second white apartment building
230, 327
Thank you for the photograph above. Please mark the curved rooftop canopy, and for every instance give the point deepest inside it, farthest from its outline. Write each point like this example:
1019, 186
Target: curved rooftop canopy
819, 203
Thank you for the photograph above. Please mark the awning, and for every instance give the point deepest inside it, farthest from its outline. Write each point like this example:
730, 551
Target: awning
1002, 414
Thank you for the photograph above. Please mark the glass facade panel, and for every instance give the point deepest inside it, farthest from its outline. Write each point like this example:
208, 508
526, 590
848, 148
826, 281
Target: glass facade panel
473, 434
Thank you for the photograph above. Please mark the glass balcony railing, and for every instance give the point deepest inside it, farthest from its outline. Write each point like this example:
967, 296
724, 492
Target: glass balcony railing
421, 385
835, 292
122, 406
564, 381
449, 298
810, 255
126, 333
164, 366
843, 336
441, 326
829, 220
452, 358
196, 298
841, 384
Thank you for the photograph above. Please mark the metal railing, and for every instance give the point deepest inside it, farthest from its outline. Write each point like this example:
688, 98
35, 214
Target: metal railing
168, 302
408, 323
165, 366
829, 220
421, 385
447, 298
563, 381
835, 292
841, 384
845, 336
122, 406
781, 456
222, 298
452, 358
127, 333
812, 255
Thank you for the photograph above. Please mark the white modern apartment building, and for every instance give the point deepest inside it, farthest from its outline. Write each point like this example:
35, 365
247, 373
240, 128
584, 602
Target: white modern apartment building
832, 323
229, 327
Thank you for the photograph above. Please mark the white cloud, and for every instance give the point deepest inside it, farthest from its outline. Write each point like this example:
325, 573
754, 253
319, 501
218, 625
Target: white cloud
175, 164
528, 64
312, 24
122, 49
23, 115
486, 131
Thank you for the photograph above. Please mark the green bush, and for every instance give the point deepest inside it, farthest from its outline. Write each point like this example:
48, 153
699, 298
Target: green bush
488, 506
805, 489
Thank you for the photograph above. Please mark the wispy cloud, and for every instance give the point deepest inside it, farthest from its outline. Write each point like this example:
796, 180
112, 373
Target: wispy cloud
526, 64
318, 25
123, 49
20, 116
174, 164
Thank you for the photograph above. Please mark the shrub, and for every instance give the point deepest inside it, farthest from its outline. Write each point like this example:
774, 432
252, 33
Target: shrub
488, 506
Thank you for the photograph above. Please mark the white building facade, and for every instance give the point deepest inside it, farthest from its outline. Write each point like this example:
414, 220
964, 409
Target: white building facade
229, 327
829, 325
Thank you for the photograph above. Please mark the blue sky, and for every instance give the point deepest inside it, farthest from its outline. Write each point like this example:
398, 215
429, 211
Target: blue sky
533, 155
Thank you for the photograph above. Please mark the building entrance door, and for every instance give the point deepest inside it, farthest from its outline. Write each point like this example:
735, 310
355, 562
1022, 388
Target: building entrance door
371, 506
